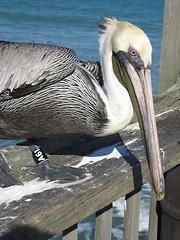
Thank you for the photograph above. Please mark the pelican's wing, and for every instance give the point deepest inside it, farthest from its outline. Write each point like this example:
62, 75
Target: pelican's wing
27, 67
94, 68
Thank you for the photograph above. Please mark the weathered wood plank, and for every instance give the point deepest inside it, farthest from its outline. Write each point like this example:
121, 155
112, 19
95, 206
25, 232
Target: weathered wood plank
170, 54
153, 218
104, 223
44, 214
71, 233
131, 216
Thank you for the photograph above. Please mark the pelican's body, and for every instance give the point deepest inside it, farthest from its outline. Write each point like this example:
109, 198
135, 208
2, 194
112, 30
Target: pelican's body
45, 91
73, 102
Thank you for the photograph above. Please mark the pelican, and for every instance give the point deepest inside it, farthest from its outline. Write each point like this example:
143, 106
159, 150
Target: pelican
45, 91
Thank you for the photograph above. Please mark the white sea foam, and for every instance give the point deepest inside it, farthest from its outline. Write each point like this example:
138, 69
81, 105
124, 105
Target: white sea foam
87, 229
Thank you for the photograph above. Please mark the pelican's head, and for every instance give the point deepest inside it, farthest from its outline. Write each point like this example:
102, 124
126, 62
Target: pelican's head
131, 51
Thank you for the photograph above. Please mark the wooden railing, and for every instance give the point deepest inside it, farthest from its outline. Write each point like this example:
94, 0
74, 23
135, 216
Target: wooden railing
41, 215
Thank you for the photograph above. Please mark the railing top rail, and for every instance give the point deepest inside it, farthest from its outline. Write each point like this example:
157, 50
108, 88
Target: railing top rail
50, 208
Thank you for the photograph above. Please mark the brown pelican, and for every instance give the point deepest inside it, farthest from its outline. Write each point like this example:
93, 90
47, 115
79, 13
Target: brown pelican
45, 91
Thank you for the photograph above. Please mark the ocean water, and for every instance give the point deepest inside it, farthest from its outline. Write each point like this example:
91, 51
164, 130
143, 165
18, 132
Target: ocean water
74, 24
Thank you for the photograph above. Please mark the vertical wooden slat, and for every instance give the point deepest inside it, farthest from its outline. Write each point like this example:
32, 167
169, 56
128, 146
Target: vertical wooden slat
71, 233
131, 216
170, 53
104, 223
153, 218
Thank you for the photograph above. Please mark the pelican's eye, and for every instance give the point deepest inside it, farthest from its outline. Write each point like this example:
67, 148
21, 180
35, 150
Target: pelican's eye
133, 53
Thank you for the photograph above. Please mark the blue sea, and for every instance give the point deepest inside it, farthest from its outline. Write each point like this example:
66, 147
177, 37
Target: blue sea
74, 24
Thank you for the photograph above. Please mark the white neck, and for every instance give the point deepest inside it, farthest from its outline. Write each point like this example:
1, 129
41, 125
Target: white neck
119, 105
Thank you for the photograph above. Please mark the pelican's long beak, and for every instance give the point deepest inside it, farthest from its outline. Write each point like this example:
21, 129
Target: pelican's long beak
137, 80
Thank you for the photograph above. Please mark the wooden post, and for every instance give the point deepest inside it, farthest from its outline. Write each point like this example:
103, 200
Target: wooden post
170, 52
170, 218
104, 223
131, 216
153, 217
71, 233
169, 222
